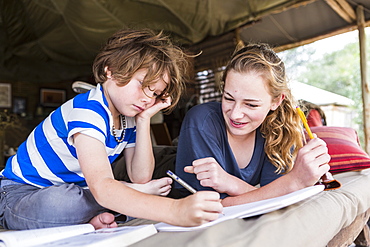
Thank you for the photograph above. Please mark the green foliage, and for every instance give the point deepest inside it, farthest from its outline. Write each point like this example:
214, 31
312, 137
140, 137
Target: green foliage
337, 72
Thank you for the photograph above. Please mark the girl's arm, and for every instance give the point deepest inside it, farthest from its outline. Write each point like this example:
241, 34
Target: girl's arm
311, 163
112, 194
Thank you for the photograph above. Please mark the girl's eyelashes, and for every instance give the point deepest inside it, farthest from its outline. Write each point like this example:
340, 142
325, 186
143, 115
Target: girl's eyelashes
247, 104
228, 99
251, 105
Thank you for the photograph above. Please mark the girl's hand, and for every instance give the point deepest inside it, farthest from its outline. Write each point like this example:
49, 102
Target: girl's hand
311, 163
197, 209
211, 174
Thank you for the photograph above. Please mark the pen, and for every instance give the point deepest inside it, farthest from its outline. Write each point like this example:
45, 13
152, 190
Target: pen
304, 121
329, 182
180, 181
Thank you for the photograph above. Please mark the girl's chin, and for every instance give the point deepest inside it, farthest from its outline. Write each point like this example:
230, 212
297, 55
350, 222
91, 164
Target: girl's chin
239, 131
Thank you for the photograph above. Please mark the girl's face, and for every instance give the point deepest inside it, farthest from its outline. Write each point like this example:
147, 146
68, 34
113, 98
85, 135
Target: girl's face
246, 102
132, 99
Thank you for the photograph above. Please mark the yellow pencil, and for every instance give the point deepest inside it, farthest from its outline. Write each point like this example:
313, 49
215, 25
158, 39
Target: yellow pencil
304, 121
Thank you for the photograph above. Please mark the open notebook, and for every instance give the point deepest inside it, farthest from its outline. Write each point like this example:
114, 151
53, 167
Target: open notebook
251, 209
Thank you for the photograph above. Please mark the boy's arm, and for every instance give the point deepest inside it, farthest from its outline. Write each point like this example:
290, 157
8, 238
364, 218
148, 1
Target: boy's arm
112, 194
140, 159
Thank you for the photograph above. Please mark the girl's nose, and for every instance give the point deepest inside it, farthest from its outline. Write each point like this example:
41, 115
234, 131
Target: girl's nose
236, 112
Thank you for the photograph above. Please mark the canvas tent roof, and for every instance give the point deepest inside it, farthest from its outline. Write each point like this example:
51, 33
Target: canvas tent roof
318, 96
50, 41
54, 41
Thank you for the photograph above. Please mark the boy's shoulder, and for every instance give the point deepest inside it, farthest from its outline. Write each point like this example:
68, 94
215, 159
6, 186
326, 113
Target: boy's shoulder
93, 98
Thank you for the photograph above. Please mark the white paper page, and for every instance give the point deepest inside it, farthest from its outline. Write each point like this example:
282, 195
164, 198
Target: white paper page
28, 238
251, 209
120, 236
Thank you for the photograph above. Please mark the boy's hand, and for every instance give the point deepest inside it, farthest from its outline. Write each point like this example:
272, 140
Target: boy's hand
160, 103
197, 209
161, 187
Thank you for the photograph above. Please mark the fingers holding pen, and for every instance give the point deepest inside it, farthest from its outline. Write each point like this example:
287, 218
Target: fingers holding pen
200, 208
317, 150
311, 162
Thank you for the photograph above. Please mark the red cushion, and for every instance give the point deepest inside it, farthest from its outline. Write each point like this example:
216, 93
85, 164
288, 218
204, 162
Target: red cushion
314, 118
344, 148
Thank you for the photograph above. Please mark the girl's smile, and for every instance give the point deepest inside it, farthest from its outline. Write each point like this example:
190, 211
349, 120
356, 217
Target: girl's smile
245, 102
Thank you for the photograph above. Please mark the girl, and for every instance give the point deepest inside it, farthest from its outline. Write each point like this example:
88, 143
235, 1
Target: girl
252, 137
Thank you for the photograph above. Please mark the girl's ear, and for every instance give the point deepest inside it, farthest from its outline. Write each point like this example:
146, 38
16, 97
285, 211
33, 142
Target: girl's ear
275, 104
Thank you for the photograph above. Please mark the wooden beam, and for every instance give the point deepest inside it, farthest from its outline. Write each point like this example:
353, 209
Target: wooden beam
320, 37
347, 235
364, 83
343, 9
363, 239
348, 8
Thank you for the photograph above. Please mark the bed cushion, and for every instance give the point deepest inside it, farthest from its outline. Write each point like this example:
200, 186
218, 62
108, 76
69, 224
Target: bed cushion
311, 222
344, 148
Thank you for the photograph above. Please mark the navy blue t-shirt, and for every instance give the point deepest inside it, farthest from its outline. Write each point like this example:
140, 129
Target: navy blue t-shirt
203, 134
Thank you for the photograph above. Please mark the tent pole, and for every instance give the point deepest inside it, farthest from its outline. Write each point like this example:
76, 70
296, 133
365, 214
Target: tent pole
364, 83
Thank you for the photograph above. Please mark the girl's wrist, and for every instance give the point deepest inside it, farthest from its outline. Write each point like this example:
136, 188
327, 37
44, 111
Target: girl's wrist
294, 183
238, 187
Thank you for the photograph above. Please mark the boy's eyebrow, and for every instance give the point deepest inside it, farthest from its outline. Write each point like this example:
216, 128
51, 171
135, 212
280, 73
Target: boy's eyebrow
249, 100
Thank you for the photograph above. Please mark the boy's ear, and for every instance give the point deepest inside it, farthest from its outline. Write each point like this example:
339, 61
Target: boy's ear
108, 72
275, 104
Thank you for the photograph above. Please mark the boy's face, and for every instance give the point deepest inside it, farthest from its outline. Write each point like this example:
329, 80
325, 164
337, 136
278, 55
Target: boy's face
132, 99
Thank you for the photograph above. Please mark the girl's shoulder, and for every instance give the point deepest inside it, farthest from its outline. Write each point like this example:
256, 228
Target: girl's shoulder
205, 108
259, 140
207, 115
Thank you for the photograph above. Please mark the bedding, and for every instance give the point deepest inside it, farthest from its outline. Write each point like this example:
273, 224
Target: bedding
316, 221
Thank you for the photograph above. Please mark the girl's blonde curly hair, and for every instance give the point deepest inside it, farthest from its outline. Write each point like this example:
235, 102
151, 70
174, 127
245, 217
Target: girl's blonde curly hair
281, 128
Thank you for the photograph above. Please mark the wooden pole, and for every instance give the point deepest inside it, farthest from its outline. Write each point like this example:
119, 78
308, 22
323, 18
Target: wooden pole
364, 83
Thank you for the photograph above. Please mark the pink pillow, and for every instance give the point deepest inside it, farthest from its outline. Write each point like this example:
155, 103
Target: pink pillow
343, 147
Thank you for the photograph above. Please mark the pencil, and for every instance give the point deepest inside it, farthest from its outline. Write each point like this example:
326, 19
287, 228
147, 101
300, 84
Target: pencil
180, 181
304, 121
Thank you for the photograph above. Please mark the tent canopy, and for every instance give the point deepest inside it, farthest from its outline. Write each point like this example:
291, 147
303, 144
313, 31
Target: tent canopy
318, 96
51, 41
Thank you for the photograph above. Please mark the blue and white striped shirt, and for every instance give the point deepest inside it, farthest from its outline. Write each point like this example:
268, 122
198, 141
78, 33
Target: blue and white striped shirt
48, 156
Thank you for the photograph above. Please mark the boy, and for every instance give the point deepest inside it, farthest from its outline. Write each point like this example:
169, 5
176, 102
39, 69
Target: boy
61, 174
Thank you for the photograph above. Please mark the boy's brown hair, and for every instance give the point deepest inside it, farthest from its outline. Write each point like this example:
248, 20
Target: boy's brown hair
128, 50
